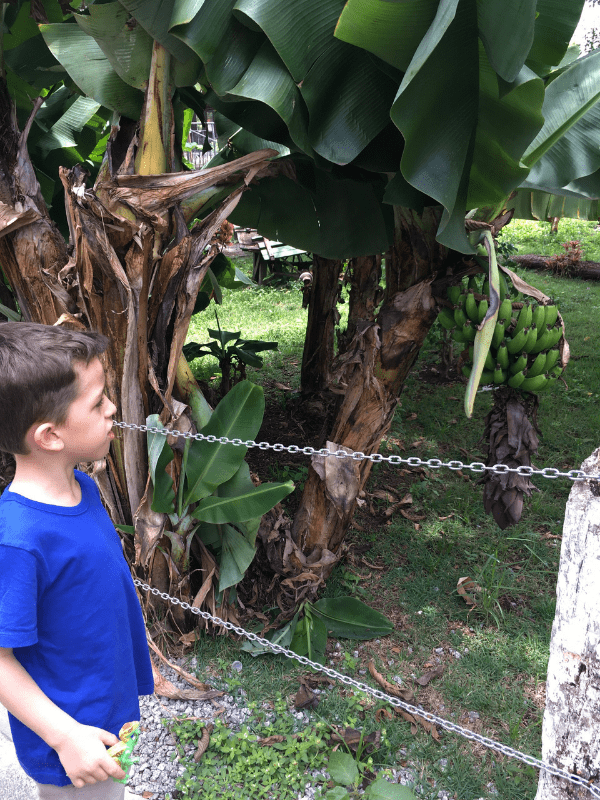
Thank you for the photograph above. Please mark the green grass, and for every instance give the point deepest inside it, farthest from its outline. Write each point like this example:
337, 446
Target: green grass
497, 684
536, 237
260, 312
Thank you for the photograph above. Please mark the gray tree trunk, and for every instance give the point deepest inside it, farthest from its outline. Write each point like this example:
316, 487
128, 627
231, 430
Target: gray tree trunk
571, 729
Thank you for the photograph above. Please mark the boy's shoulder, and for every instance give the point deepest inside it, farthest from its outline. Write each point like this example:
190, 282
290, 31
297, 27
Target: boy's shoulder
19, 516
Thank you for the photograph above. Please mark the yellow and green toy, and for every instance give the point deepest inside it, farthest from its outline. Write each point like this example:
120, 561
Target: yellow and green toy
123, 750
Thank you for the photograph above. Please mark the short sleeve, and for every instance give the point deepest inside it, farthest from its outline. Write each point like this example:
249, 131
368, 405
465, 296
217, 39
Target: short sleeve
18, 597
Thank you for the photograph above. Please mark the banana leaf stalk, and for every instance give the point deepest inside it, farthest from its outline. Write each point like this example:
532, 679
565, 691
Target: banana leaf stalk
485, 330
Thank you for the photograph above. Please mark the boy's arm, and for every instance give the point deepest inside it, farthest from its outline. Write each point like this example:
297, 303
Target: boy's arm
81, 748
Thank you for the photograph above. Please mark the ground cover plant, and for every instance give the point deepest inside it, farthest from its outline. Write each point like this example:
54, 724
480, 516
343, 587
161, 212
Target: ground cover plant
416, 533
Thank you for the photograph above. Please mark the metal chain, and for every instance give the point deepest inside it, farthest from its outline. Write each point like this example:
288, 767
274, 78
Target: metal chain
411, 461
394, 701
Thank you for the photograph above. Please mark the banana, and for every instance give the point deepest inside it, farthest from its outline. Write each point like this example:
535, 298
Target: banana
502, 355
524, 318
469, 331
498, 334
544, 341
471, 307
466, 369
446, 319
551, 314
459, 316
556, 372
516, 380
485, 289
556, 335
505, 310
519, 364
473, 284
482, 309
516, 344
531, 339
503, 286
538, 366
552, 357
499, 375
454, 293
539, 316
458, 335
534, 384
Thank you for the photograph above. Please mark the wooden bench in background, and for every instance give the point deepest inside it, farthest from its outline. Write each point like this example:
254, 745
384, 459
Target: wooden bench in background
268, 256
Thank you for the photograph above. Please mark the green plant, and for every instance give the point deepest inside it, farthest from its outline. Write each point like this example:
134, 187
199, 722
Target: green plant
494, 581
348, 774
267, 757
215, 499
232, 352
306, 635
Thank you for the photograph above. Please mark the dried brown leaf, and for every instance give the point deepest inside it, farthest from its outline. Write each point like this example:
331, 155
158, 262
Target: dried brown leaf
203, 743
305, 697
427, 677
465, 584
404, 694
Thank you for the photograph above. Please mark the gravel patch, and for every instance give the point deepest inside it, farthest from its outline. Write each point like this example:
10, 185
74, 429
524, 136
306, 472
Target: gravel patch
155, 776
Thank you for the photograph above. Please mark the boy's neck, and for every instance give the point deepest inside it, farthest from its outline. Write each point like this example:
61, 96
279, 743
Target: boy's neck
53, 483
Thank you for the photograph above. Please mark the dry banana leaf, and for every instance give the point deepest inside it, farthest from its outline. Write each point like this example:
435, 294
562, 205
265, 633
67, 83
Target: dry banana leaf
164, 688
404, 694
203, 743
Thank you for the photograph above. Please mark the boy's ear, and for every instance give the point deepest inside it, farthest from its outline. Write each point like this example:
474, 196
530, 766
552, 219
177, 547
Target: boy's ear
45, 437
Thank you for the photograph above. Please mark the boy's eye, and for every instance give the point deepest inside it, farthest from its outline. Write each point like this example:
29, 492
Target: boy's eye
99, 404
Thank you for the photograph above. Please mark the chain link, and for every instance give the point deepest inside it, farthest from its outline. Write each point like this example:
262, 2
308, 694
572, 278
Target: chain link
452, 727
376, 458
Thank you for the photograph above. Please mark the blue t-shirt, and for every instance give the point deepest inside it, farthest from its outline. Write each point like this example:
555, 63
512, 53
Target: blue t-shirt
69, 610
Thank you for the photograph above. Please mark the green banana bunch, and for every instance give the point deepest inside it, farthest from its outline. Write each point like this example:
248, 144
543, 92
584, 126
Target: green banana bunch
522, 351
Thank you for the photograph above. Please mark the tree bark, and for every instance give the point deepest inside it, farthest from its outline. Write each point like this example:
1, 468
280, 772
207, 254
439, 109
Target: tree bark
320, 327
370, 374
571, 733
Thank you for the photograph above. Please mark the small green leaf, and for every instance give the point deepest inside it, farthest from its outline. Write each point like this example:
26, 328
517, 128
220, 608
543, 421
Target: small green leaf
348, 618
10, 314
247, 357
342, 768
381, 789
282, 637
128, 529
160, 456
224, 336
337, 793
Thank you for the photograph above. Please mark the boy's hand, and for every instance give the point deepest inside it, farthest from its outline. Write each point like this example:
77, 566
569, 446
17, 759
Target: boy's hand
84, 758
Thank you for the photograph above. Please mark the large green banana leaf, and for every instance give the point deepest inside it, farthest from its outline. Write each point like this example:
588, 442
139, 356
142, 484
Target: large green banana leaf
567, 148
459, 80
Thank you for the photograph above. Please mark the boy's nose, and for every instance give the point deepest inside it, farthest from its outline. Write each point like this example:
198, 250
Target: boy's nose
111, 409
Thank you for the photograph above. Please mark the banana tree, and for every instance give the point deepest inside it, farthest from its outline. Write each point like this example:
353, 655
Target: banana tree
398, 119
389, 120
140, 237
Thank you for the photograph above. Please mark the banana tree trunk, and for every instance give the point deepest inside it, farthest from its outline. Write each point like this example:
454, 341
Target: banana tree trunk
131, 271
320, 327
371, 372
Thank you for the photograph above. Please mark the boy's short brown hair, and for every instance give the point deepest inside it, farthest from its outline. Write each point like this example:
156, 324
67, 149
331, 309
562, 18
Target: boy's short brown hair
38, 382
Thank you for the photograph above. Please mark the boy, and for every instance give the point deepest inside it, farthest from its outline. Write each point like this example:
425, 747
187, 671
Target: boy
73, 652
